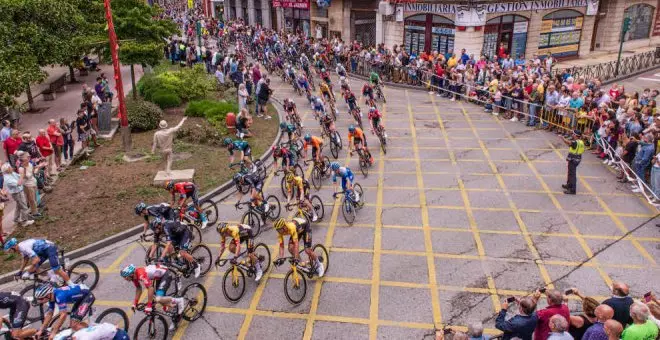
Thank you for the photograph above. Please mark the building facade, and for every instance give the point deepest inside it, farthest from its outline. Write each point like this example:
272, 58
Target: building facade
563, 28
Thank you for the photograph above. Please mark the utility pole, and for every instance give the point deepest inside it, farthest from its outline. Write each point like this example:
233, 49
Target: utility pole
624, 30
119, 86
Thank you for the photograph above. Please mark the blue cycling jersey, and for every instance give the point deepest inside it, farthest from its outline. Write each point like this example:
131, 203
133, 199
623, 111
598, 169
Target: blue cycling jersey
66, 295
344, 173
239, 145
289, 128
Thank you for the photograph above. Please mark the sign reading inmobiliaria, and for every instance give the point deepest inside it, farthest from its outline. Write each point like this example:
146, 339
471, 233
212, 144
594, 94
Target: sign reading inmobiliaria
300, 4
496, 7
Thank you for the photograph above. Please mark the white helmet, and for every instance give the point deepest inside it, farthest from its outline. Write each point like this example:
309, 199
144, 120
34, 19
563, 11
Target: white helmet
342, 78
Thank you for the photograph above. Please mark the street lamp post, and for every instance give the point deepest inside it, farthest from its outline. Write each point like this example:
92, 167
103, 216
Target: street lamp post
624, 30
119, 86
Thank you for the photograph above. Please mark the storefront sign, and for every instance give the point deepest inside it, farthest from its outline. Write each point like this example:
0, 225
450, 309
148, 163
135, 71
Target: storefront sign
520, 27
592, 7
536, 5
470, 16
398, 13
299, 4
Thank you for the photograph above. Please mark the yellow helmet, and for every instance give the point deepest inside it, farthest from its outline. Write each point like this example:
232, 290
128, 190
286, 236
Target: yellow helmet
279, 224
289, 176
222, 227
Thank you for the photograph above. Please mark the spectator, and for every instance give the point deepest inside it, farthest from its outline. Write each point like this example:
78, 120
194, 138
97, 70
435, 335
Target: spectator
642, 328
580, 323
99, 88
28, 145
242, 97
12, 185
555, 307
613, 329
642, 161
559, 326
26, 170
597, 331
263, 97
82, 126
521, 325
475, 330
46, 150
67, 137
220, 76
11, 146
6, 131
620, 302
55, 136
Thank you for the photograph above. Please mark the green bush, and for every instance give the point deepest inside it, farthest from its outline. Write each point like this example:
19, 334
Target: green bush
188, 84
143, 115
165, 99
214, 111
198, 108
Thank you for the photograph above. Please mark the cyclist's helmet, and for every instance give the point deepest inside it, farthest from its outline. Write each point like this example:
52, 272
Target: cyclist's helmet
372, 109
289, 176
238, 178
334, 166
10, 243
222, 227
169, 185
308, 137
42, 291
351, 128
127, 271
279, 224
227, 141
156, 222
282, 125
139, 208
323, 69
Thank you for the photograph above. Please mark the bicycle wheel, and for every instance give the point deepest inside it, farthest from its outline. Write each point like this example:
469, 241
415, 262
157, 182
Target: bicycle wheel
36, 311
383, 143
283, 186
316, 178
274, 208
326, 165
253, 220
151, 327
195, 296
86, 272
233, 284
159, 250
317, 204
295, 287
364, 168
202, 255
196, 234
334, 148
358, 119
261, 169
210, 208
115, 316
339, 141
358, 188
263, 255
348, 211
322, 255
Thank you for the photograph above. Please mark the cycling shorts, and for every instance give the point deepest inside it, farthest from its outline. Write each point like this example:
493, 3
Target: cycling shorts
181, 239
193, 195
50, 254
319, 108
291, 157
18, 314
164, 284
247, 237
376, 121
315, 150
304, 229
83, 307
121, 335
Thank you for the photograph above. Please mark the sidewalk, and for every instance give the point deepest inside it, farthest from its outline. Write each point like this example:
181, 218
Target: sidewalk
602, 57
64, 106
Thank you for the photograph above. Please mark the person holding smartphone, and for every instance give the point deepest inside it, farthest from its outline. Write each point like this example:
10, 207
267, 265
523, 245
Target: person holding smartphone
521, 325
580, 323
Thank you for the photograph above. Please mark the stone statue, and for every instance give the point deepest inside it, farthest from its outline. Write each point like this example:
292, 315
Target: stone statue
164, 139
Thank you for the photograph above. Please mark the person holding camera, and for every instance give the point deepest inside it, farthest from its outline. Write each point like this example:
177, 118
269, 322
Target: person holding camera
521, 325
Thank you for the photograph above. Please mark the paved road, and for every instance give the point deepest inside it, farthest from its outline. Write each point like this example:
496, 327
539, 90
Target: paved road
650, 80
463, 211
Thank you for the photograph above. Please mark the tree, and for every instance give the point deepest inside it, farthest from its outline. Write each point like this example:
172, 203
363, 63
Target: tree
142, 34
35, 33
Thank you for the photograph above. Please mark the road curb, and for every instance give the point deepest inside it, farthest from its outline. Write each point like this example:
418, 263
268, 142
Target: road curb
98, 245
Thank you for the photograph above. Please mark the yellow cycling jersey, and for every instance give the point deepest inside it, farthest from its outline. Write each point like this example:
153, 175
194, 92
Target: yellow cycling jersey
297, 181
290, 228
324, 88
233, 231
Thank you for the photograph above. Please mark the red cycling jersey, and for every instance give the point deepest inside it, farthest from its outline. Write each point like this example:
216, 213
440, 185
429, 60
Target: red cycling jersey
184, 188
147, 274
374, 114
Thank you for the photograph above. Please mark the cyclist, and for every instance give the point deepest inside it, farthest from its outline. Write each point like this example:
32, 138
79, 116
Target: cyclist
303, 192
239, 233
18, 310
291, 73
256, 184
346, 179
291, 110
351, 101
303, 83
325, 76
325, 91
341, 70
240, 145
80, 296
289, 129
345, 87
287, 155
374, 78
101, 331
297, 229
318, 106
359, 141
156, 279
368, 92
304, 63
375, 117
186, 190
177, 235
35, 252
162, 210
316, 143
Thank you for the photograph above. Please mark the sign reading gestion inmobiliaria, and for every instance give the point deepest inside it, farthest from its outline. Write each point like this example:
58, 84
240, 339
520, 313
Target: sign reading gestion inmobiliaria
300, 4
501, 7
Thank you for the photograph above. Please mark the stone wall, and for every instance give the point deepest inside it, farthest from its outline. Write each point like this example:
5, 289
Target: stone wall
471, 40
609, 27
393, 33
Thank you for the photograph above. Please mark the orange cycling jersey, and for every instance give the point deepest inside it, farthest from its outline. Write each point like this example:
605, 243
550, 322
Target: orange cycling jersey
358, 134
316, 143
324, 88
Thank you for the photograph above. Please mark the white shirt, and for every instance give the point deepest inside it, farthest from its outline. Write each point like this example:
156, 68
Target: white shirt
103, 331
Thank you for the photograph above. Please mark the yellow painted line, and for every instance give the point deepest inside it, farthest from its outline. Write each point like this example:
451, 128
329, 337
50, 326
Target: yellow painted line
555, 202
181, 329
115, 264
430, 260
612, 216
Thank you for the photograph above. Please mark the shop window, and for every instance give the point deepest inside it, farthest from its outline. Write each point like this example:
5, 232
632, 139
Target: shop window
641, 18
508, 32
428, 32
561, 32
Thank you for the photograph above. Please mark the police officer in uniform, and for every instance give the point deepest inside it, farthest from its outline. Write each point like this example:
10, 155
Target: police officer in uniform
575, 151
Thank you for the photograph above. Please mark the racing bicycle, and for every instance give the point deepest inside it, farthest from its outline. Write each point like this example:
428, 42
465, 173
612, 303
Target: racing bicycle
200, 253
303, 212
295, 284
255, 217
349, 205
320, 171
233, 281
